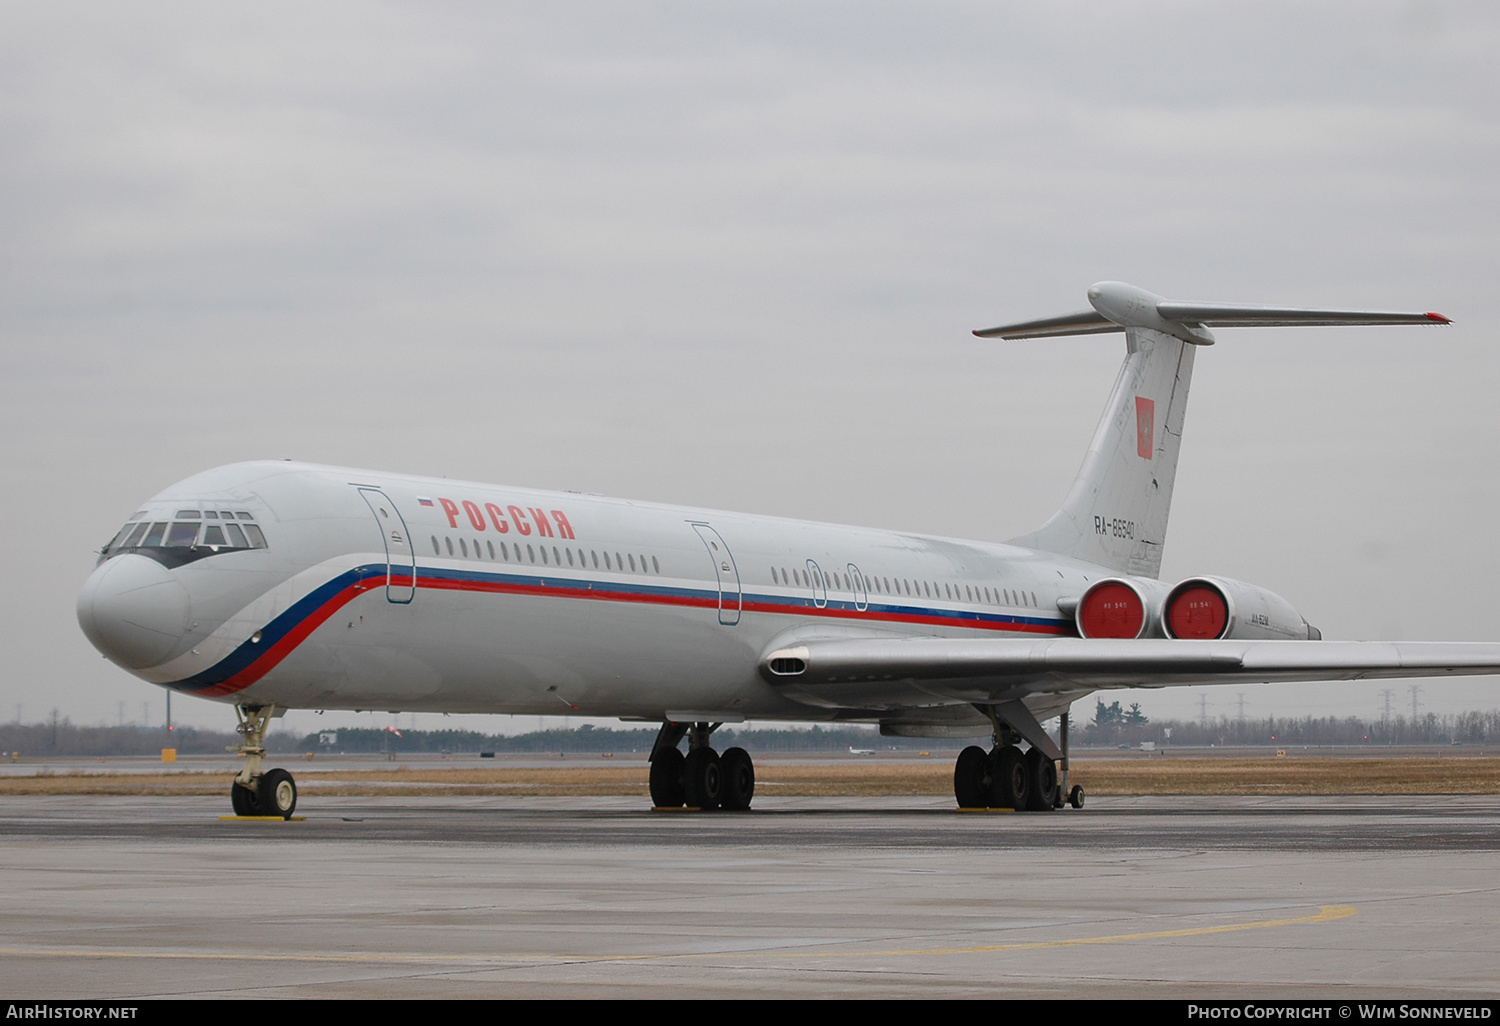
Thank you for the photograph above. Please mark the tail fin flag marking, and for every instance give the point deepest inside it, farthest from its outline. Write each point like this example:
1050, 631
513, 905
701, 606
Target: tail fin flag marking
1145, 426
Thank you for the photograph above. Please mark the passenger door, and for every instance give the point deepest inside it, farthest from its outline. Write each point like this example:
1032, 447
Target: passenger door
725, 572
400, 559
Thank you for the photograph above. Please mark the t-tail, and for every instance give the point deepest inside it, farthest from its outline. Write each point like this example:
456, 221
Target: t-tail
1116, 512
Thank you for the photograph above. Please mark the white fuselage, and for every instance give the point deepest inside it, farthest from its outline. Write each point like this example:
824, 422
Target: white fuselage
533, 602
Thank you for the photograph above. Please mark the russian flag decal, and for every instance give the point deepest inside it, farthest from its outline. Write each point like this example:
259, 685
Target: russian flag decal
1145, 426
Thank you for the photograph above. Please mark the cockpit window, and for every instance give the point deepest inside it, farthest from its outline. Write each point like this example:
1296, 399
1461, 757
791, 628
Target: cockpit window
177, 542
180, 536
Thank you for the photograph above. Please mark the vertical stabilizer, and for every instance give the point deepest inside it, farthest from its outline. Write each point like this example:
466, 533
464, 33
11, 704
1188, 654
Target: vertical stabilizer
1116, 512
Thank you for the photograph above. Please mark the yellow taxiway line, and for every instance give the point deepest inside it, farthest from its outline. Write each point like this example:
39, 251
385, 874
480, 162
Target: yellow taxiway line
1325, 914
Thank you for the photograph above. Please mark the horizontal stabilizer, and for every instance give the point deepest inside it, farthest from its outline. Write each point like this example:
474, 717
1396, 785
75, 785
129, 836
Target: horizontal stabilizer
1117, 306
1087, 322
1225, 315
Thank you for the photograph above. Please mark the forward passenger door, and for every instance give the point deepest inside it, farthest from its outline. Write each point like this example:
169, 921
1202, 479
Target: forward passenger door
400, 559
725, 572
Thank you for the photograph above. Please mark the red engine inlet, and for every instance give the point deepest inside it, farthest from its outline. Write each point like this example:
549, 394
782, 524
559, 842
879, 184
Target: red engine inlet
1111, 609
1209, 608
1197, 611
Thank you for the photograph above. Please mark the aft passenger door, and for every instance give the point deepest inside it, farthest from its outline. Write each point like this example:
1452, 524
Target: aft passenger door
819, 584
725, 571
861, 588
400, 560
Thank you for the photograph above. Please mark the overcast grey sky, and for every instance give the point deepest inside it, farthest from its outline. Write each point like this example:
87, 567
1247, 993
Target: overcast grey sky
730, 255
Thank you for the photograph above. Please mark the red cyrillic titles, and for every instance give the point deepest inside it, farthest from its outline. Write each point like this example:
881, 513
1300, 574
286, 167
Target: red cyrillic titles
543, 529
497, 515
546, 526
519, 519
476, 517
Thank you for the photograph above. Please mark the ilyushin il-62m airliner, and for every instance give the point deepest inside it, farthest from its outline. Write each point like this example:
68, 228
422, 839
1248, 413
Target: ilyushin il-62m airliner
280, 585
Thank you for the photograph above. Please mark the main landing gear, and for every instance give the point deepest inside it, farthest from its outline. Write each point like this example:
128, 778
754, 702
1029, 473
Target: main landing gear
702, 779
257, 792
1005, 777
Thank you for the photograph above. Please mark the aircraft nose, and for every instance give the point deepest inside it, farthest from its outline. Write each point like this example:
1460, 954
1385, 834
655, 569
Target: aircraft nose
133, 610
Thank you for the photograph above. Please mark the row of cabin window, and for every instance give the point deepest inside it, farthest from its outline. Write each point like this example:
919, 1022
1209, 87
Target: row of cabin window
184, 535
915, 588
557, 555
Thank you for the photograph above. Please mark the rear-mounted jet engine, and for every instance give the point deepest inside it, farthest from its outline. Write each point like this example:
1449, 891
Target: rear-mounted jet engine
1121, 607
1218, 608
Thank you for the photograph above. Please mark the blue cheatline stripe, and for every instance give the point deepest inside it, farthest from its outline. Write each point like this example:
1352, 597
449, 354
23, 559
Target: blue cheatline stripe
279, 629
253, 659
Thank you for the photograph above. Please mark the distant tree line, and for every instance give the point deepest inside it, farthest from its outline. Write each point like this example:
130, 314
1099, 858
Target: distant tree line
589, 739
1111, 726
59, 736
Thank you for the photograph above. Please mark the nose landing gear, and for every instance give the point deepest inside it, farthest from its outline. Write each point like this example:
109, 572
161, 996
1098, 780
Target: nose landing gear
257, 792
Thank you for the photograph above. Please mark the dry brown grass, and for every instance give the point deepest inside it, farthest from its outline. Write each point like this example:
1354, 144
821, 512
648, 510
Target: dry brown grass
1152, 775
1309, 776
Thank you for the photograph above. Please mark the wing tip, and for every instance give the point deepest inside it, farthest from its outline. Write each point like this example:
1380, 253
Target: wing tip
1438, 318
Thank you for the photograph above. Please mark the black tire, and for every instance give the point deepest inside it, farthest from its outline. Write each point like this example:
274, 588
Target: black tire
1011, 780
666, 779
277, 794
702, 779
971, 778
737, 771
1075, 797
244, 800
1041, 785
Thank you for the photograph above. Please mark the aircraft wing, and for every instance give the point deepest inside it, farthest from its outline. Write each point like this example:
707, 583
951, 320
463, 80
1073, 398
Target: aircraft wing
963, 668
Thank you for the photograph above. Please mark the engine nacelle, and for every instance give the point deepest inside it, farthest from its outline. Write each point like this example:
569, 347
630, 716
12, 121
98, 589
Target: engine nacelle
1121, 607
1211, 608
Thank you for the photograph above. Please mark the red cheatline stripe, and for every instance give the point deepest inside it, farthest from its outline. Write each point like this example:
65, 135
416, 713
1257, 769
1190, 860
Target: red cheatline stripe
283, 648
936, 621
558, 591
